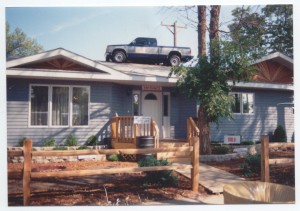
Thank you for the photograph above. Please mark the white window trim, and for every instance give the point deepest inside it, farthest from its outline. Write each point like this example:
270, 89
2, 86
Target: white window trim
241, 104
70, 104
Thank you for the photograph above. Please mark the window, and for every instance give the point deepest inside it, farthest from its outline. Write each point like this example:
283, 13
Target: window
69, 105
150, 96
39, 105
136, 105
166, 105
60, 106
243, 103
80, 99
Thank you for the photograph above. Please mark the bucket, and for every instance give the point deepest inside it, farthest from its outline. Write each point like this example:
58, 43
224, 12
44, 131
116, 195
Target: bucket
255, 192
145, 142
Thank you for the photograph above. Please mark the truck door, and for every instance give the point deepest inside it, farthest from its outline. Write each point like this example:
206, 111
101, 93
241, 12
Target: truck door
142, 49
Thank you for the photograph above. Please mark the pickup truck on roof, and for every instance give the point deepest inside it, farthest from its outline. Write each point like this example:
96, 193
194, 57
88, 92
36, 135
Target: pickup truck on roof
144, 49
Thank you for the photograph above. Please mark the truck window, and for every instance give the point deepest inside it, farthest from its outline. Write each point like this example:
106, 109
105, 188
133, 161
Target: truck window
140, 42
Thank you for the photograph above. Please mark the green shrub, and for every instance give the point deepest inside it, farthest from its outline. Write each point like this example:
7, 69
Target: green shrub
158, 177
252, 165
220, 150
49, 142
71, 141
21, 142
247, 143
279, 135
60, 148
113, 158
92, 141
83, 147
215, 143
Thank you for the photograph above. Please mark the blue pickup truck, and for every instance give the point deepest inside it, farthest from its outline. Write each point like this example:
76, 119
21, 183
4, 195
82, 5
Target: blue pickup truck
145, 50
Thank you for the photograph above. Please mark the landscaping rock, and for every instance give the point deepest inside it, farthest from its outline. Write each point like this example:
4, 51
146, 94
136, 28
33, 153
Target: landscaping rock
237, 150
252, 150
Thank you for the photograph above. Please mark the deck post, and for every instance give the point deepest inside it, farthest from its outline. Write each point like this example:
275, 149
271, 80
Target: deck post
265, 170
27, 149
195, 164
114, 127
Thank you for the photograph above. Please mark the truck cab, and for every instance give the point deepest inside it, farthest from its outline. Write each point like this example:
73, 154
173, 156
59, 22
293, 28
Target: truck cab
142, 41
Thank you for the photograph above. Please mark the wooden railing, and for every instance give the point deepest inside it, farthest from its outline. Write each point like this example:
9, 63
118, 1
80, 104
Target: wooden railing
266, 161
192, 130
124, 130
28, 175
193, 138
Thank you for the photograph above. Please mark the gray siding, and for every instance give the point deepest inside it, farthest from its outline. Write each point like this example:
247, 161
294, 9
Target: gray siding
270, 109
181, 108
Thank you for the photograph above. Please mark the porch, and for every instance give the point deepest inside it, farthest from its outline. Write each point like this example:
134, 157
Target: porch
126, 131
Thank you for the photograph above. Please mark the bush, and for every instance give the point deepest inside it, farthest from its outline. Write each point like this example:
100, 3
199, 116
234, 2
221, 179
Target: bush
279, 135
252, 165
247, 143
71, 141
113, 158
60, 148
158, 177
220, 150
83, 147
21, 142
92, 141
49, 142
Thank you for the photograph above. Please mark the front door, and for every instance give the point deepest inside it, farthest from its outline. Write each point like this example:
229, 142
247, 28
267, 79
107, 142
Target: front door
152, 106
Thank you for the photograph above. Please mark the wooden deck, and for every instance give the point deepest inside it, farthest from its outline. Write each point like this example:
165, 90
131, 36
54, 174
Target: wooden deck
125, 135
125, 132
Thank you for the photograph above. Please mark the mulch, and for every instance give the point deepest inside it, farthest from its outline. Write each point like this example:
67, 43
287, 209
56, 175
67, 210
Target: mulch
123, 189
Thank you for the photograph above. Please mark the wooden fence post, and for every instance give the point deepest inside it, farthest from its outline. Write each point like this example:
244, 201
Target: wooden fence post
27, 149
195, 164
265, 169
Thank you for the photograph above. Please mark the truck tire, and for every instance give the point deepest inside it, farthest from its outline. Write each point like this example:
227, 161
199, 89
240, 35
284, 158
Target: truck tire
119, 57
174, 60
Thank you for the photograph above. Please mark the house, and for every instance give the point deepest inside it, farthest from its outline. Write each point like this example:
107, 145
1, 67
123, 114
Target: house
57, 93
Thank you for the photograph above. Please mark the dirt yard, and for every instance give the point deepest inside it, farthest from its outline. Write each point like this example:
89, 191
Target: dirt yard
122, 189
117, 189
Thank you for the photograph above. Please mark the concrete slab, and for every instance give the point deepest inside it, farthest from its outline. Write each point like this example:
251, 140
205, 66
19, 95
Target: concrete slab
212, 178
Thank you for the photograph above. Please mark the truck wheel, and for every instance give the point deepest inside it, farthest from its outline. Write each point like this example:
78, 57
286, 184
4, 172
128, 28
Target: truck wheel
119, 56
174, 60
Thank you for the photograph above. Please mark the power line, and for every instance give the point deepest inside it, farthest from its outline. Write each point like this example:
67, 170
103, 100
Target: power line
174, 30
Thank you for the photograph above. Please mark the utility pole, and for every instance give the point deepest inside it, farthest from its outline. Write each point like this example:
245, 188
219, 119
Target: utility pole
174, 31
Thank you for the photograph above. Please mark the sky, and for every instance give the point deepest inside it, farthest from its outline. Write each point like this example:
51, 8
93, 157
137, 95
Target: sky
88, 30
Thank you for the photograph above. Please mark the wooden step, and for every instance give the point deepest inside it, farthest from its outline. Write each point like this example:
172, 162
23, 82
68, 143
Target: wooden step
179, 159
173, 154
172, 140
173, 144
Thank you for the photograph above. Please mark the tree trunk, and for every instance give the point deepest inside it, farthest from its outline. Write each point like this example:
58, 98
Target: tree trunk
214, 22
201, 30
204, 127
214, 30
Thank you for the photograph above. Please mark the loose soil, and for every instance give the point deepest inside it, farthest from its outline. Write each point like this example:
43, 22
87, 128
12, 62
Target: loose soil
116, 189
123, 189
